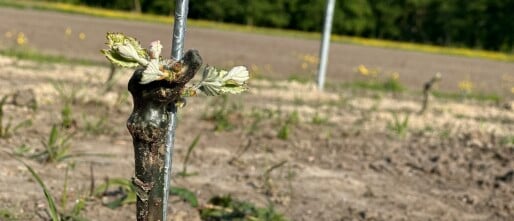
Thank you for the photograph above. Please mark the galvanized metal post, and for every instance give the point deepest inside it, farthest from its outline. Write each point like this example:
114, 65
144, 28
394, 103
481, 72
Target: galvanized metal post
177, 48
325, 43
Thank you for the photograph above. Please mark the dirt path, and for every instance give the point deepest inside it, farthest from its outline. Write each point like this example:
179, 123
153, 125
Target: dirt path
274, 57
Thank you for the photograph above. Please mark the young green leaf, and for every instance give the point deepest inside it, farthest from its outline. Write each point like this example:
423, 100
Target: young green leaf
125, 51
216, 82
52, 208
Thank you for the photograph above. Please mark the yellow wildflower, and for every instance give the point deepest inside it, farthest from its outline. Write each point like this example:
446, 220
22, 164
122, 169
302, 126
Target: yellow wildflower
21, 39
363, 70
82, 36
395, 76
512, 90
466, 86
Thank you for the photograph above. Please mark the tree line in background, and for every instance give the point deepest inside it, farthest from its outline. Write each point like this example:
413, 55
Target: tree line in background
484, 24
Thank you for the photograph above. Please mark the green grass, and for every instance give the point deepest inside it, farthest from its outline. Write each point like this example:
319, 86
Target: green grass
394, 86
105, 13
478, 96
226, 208
389, 85
399, 126
56, 148
34, 55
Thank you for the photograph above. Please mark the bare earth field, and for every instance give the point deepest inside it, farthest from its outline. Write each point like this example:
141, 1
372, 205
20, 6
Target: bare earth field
337, 155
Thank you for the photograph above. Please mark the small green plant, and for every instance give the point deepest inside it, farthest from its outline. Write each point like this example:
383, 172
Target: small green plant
56, 148
8, 129
69, 94
222, 208
319, 120
53, 211
190, 149
221, 114
399, 126
95, 126
21, 150
302, 79
509, 140
284, 131
393, 85
120, 191
7, 215
67, 120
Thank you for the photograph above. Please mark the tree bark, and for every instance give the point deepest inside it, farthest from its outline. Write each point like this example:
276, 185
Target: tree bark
148, 125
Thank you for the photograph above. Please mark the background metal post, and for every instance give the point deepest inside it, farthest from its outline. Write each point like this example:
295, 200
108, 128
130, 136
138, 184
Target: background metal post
325, 43
177, 48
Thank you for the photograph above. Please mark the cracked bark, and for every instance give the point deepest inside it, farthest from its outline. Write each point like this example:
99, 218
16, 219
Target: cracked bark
148, 125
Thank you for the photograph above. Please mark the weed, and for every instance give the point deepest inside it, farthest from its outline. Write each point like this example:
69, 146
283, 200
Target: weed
283, 133
123, 193
56, 147
8, 129
292, 119
67, 120
318, 119
389, 85
68, 94
190, 149
55, 215
257, 119
509, 140
221, 114
95, 127
7, 215
225, 208
478, 96
21, 150
302, 79
399, 127
393, 85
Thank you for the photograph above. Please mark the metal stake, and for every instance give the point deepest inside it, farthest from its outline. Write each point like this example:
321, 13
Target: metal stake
177, 48
325, 43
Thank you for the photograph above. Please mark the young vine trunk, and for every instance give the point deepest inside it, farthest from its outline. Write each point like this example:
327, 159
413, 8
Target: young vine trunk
148, 126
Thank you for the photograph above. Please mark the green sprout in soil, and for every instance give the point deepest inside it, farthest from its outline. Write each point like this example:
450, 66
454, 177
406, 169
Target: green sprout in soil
55, 212
190, 149
95, 126
222, 114
67, 120
8, 129
285, 129
399, 126
56, 147
224, 208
